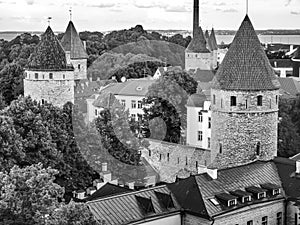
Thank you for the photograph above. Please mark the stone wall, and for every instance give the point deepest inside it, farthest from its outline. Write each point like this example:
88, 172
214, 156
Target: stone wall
239, 131
80, 73
57, 91
171, 160
202, 61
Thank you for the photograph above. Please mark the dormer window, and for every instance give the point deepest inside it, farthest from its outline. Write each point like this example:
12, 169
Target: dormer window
276, 192
261, 195
272, 188
246, 199
259, 100
258, 192
243, 196
233, 101
227, 199
232, 203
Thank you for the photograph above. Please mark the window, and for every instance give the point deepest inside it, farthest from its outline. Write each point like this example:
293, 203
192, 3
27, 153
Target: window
214, 99
209, 122
264, 220
276, 191
232, 101
78, 66
250, 222
43, 101
43, 76
149, 153
25, 74
200, 117
123, 102
168, 157
232, 203
51, 76
246, 104
270, 103
276, 99
133, 104
221, 103
186, 160
36, 75
246, 199
259, 100
261, 195
133, 116
258, 148
200, 135
160, 157
220, 148
95, 112
140, 104
178, 160
279, 218
140, 116
208, 142
196, 164
64, 76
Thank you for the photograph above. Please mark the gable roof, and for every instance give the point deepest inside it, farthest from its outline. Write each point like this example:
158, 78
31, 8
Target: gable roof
228, 181
198, 43
72, 43
125, 208
246, 66
48, 54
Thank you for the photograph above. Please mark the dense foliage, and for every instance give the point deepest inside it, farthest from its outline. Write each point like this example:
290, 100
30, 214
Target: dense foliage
289, 127
166, 99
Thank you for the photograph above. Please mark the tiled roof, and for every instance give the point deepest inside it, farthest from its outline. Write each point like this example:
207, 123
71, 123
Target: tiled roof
124, 208
203, 75
107, 190
290, 180
232, 179
246, 66
133, 87
49, 54
71, 42
106, 100
198, 43
213, 39
196, 100
289, 85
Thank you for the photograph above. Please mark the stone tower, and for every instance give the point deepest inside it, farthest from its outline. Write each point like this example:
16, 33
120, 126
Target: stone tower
75, 52
48, 77
197, 56
244, 103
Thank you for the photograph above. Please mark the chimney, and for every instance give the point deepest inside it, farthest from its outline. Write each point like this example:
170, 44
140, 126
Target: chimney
213, 173
298, 166
196, 17
104, 167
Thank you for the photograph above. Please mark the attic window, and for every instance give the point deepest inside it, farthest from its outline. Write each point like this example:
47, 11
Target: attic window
214, 99
165, 200
145, 204
246, 199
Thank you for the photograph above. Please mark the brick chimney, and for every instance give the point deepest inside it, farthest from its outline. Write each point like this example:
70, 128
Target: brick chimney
196, 16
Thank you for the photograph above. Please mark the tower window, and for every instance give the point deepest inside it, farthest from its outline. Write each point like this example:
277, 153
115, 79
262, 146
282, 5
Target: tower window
214, 99
36, 75
78, 66
50, 75
64, 76
220, 148
233, 101
200, 117
209, 122
259, 100
258, 148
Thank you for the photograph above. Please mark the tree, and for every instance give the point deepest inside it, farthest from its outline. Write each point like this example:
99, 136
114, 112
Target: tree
28, 195
166, 98
11, 82
72, 214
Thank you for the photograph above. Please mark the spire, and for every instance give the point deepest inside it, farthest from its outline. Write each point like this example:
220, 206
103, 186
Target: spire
206, 35
213, 39
198, 43
72, 43
196, 17
246, 66
49, 54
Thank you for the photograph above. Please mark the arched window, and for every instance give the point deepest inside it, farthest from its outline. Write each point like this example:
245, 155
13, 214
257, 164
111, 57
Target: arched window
258, 148
233, 101
259, 100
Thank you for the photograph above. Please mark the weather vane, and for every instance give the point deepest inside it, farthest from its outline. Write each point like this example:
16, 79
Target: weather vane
49, 20
70, 10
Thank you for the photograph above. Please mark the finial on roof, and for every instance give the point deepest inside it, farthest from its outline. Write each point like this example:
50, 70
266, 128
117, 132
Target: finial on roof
70, 10
49, 20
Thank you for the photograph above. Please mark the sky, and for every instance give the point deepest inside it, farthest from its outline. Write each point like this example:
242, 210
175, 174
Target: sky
107, 15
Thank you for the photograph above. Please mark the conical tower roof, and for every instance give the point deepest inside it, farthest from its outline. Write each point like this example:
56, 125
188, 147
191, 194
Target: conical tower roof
198, 43
246, 66
49, 54
206, 35
72, 43
213, 39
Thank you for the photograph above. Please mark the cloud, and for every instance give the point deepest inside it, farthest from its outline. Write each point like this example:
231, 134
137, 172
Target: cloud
230, 10
177, 9
295, 13
102, 5
219, 3
30, 2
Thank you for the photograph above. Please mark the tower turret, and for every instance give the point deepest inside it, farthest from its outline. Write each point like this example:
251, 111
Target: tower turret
75, 51
48, 77
244, 103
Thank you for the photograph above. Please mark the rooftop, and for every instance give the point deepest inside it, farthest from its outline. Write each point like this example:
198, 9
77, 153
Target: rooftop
289, 85
196, 100
72, 43
198, 43
246, 66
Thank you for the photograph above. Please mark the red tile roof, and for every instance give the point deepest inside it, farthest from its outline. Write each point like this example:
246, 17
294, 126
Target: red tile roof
71, 42
246, 66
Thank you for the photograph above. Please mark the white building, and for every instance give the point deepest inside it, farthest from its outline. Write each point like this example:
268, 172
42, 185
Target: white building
130, 94
199, 121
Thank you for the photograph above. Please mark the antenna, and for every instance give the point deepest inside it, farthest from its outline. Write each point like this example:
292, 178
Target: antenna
70, 10
247, 7
49, 20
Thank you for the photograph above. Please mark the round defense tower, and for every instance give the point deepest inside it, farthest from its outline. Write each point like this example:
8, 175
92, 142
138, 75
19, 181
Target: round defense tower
48, 78
244, 97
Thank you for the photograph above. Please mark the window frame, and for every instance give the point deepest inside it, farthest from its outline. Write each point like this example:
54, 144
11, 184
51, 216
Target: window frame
233, 101
259, 100
200, 135
133, 104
